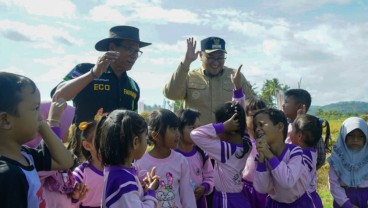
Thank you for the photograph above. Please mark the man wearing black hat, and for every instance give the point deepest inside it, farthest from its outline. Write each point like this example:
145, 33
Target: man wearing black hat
207, 87
105, 84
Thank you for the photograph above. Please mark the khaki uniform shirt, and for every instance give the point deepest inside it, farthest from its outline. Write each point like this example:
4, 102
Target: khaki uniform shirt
201, 92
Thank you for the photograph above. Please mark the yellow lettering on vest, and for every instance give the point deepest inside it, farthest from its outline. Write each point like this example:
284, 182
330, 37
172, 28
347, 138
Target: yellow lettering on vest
130, 93
101, 87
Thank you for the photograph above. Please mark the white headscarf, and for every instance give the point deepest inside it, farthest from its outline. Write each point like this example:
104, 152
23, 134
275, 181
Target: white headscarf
351, 166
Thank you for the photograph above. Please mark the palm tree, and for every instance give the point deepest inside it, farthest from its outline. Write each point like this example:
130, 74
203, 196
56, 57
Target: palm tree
270, 89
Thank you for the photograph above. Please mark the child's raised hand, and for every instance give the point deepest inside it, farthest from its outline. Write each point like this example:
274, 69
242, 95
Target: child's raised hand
302, 110
151, 180
80, 191
199, 191
232, 124
236, 78
57, 107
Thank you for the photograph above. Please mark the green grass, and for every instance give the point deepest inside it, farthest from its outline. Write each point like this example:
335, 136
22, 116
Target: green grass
323, 187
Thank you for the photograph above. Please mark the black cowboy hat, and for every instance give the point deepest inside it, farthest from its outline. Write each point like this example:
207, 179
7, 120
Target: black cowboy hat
121, 33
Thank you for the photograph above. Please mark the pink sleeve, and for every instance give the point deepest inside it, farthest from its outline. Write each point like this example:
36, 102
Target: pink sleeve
337, 192
288, 174
205, 137
262, 178
187, 197
208, 176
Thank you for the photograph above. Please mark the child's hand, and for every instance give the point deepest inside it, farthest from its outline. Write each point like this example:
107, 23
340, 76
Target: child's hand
264, 148
151, 180
57, 107
199, 191
301, 111
80, 191
236, 78
232, 124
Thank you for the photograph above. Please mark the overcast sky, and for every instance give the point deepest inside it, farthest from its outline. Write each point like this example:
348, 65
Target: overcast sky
323, 43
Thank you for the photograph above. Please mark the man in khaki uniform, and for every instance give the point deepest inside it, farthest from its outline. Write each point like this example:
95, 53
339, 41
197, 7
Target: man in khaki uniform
207, 87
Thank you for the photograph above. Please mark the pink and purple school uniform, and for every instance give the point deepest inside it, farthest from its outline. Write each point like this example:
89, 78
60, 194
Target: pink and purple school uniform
122, 188
228, 165
349, 168
201, 172
310, 161
57, 185
93, 178
256, 199
285, 179
175, 189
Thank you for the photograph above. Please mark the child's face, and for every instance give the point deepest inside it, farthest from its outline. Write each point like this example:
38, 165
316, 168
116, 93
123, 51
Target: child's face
142, 147
355, 140
28, 121
187, 129
290, 107
171, 139
265, 129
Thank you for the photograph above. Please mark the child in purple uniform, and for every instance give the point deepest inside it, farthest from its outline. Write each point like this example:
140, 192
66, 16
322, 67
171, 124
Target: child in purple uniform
349, 165
280, 171
201, 170
90, 172
306, 132
120, 139
228, 145
256, 200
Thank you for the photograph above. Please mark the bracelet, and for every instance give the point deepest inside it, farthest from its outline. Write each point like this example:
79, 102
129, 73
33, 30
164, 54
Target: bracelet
93, 74
53, 120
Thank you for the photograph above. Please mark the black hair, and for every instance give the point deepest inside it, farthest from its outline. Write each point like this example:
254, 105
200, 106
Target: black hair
11, 86
254, 103
225, 112
276, 116
301, 96
76, 138
310, 127
327, 139
159, 121
188, 117
115, 134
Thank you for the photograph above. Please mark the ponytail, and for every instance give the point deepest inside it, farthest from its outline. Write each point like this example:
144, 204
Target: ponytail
328, 138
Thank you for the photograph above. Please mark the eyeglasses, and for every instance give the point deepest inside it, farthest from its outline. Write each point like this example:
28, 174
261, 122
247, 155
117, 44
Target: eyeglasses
131, 51
213, 59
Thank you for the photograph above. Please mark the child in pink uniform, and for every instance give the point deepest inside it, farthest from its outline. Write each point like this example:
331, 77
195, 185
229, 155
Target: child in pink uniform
280, 171
175, 188
306, 132
256, 200
349, 165
201, 170
120, 139
90, 172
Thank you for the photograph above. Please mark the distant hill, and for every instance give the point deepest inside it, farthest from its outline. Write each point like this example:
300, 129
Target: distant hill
343, 107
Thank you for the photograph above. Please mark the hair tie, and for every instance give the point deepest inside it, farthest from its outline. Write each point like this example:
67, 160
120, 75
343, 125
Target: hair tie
83, 125
321, 120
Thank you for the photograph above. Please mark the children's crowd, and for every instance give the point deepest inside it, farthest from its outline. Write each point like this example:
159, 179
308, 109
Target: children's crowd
252, 156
